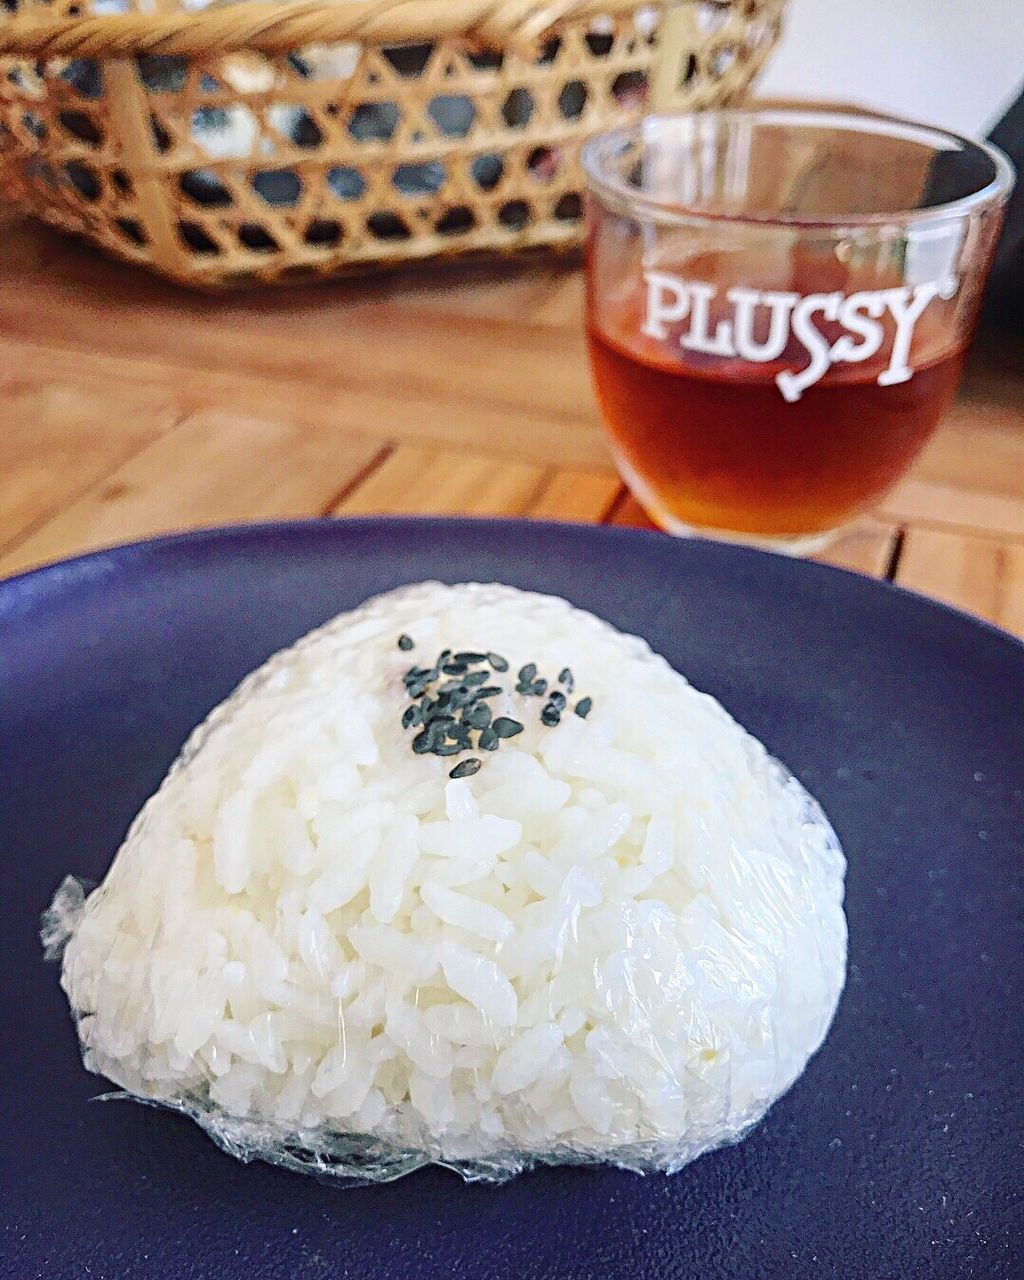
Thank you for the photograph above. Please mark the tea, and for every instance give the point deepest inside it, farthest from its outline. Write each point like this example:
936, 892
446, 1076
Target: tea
713, 443
778, 305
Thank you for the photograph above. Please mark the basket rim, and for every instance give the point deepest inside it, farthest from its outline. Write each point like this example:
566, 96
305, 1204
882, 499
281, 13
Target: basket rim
279, 27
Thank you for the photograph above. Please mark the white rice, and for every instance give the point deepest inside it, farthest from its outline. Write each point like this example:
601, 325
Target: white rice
621, 939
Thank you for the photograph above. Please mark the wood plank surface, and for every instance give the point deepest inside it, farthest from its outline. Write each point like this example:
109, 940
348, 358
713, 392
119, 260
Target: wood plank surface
434, 482
982, 575
869, 547
586, 496
949, 504
130, 407
310, 340
57, 438
210, 469
417, 416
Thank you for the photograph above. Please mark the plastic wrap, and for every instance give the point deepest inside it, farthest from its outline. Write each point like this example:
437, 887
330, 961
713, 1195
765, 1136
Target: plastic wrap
619, 940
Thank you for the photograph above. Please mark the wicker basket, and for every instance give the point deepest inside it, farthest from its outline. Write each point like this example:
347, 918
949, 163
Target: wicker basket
257, 141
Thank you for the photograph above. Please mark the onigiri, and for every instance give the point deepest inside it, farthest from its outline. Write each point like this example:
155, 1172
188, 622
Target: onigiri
465, 877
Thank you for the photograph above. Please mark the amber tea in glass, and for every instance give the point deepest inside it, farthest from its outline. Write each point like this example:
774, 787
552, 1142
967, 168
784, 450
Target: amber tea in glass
772, 341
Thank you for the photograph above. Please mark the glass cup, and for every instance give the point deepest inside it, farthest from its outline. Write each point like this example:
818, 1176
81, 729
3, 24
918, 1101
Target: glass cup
778, 306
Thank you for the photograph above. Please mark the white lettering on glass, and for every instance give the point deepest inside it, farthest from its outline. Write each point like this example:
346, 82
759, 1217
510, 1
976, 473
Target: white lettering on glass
859, 315
793, 385
668, 301
746, 302
785, 316
698, 338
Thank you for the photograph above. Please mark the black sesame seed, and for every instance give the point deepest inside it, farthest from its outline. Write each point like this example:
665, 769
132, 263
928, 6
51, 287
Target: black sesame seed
489, 691
497, 661
582, 707
557, 700
506, 727
411, 716
436, 732
422, 743
488, 740
405, 643
475, 678
539, 688
470, 658
527, 673
455, 668
550, 715
416, 681
466, 768
565, 677
455, 694
478, 716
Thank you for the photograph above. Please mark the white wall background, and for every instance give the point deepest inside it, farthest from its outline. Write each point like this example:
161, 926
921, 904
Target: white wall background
957, 63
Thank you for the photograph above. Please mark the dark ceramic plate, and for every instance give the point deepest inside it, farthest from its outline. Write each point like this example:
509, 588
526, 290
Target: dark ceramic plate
898, 1154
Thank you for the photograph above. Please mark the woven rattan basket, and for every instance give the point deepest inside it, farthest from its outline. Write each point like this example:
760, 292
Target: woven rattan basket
223, 143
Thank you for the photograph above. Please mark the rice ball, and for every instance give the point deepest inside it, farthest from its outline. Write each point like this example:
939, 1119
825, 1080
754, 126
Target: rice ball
615, 934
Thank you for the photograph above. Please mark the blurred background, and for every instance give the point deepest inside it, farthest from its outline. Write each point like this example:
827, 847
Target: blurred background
936, 60
131, 405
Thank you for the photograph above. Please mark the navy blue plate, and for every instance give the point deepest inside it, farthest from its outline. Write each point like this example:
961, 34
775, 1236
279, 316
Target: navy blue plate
896, 1155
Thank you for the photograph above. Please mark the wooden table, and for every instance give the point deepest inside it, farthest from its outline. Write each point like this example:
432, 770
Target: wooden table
129, 407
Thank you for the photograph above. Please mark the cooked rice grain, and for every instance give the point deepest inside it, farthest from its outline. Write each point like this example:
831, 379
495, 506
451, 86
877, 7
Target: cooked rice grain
621, 939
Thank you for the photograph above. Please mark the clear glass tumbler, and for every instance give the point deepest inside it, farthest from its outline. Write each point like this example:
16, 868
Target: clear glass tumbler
778, 306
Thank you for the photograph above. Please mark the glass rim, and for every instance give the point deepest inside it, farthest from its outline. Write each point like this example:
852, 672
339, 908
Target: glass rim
601, 182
